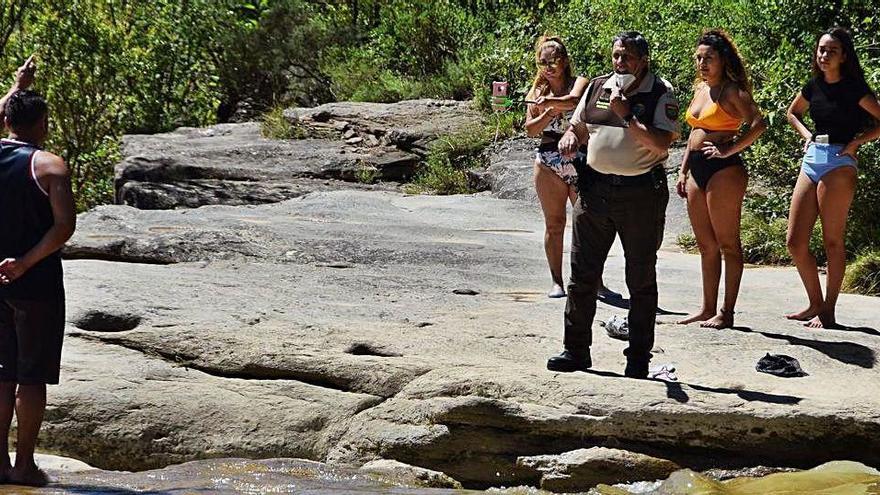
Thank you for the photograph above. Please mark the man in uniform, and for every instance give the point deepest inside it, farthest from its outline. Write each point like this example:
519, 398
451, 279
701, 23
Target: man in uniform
629, 118
37, 215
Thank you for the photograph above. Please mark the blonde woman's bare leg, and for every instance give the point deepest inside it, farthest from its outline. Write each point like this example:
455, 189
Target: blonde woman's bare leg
552, 194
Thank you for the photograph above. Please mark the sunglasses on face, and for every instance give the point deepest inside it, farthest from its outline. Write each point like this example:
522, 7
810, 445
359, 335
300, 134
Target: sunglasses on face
549, 65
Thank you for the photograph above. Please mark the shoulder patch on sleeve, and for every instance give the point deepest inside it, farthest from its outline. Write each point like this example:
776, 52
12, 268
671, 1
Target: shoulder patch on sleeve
669, 87
672, 111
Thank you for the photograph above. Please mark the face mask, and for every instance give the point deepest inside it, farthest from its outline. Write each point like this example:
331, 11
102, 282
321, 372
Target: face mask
624, 80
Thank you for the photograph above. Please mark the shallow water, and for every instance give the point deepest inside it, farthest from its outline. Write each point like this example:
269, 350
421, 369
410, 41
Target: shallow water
833, 478
240, 476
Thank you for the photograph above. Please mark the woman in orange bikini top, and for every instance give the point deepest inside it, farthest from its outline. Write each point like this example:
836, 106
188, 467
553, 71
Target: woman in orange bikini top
713, 177
713, 118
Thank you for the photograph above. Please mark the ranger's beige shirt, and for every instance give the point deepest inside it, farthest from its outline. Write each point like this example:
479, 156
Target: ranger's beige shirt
611, 148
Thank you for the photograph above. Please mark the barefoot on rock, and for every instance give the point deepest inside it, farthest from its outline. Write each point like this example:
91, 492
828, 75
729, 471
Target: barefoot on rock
805, 314
701, 316
28, 476
724, 319
823, 320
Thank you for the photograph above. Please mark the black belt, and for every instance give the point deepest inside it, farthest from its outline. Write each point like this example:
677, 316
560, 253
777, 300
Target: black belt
653, 176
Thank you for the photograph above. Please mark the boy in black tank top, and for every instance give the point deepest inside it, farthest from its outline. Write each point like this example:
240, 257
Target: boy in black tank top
37, 215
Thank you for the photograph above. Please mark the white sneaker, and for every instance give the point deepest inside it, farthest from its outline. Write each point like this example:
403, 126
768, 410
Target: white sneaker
665, 372
556, 291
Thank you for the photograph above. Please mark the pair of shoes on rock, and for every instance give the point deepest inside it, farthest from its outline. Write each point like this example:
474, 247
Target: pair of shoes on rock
568, 361
556, 291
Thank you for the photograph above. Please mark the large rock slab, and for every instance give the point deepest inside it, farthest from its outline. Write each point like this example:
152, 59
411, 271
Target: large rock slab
511, 170
327, 327
235, 164
200, 192
409, 125
582, 469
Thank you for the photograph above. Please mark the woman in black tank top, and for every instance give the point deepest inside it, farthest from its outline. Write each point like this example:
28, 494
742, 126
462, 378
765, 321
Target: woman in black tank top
556, 92
845, 113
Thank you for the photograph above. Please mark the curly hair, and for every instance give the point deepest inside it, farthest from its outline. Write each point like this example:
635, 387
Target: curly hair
540, 85
734, 66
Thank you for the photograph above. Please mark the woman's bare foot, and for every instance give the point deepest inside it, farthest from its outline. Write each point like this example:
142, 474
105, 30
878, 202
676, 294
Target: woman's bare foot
825, 319
701, 316
27, 476
805, 314
724, 319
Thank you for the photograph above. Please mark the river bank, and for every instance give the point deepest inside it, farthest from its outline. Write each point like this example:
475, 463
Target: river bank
345, 323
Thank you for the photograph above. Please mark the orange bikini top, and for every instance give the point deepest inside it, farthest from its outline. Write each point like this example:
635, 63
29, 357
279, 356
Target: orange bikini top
714, 118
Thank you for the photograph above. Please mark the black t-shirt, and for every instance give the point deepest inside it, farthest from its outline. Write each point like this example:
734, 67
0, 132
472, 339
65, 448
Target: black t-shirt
835, 108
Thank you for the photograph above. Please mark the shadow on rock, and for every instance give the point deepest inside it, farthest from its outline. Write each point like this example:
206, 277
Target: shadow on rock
845, 352
675, 391
867, 330
618, 301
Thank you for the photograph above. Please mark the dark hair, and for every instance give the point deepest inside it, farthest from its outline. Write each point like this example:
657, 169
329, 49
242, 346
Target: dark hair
634, 39
555, 43
25, 108
851, 66
734, 67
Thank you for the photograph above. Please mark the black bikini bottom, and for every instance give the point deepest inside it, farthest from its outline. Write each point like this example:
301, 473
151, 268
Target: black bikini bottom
702, 168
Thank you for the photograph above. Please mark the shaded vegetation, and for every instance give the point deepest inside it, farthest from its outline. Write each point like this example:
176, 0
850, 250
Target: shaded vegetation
450, 157
863, 274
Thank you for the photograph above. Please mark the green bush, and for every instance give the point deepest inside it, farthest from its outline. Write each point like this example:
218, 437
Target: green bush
863, 274
450, 157
274, 125
764, 240
687, 242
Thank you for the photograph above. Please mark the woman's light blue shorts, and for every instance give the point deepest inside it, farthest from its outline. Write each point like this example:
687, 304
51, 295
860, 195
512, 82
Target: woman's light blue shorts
822, 158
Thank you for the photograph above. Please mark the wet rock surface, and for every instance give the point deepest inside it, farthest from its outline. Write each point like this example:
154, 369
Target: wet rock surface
404, 474
328, 327
582, 469
225, 477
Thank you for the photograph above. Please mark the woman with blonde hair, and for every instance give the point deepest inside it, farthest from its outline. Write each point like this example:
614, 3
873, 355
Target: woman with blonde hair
712, 176
555, 92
